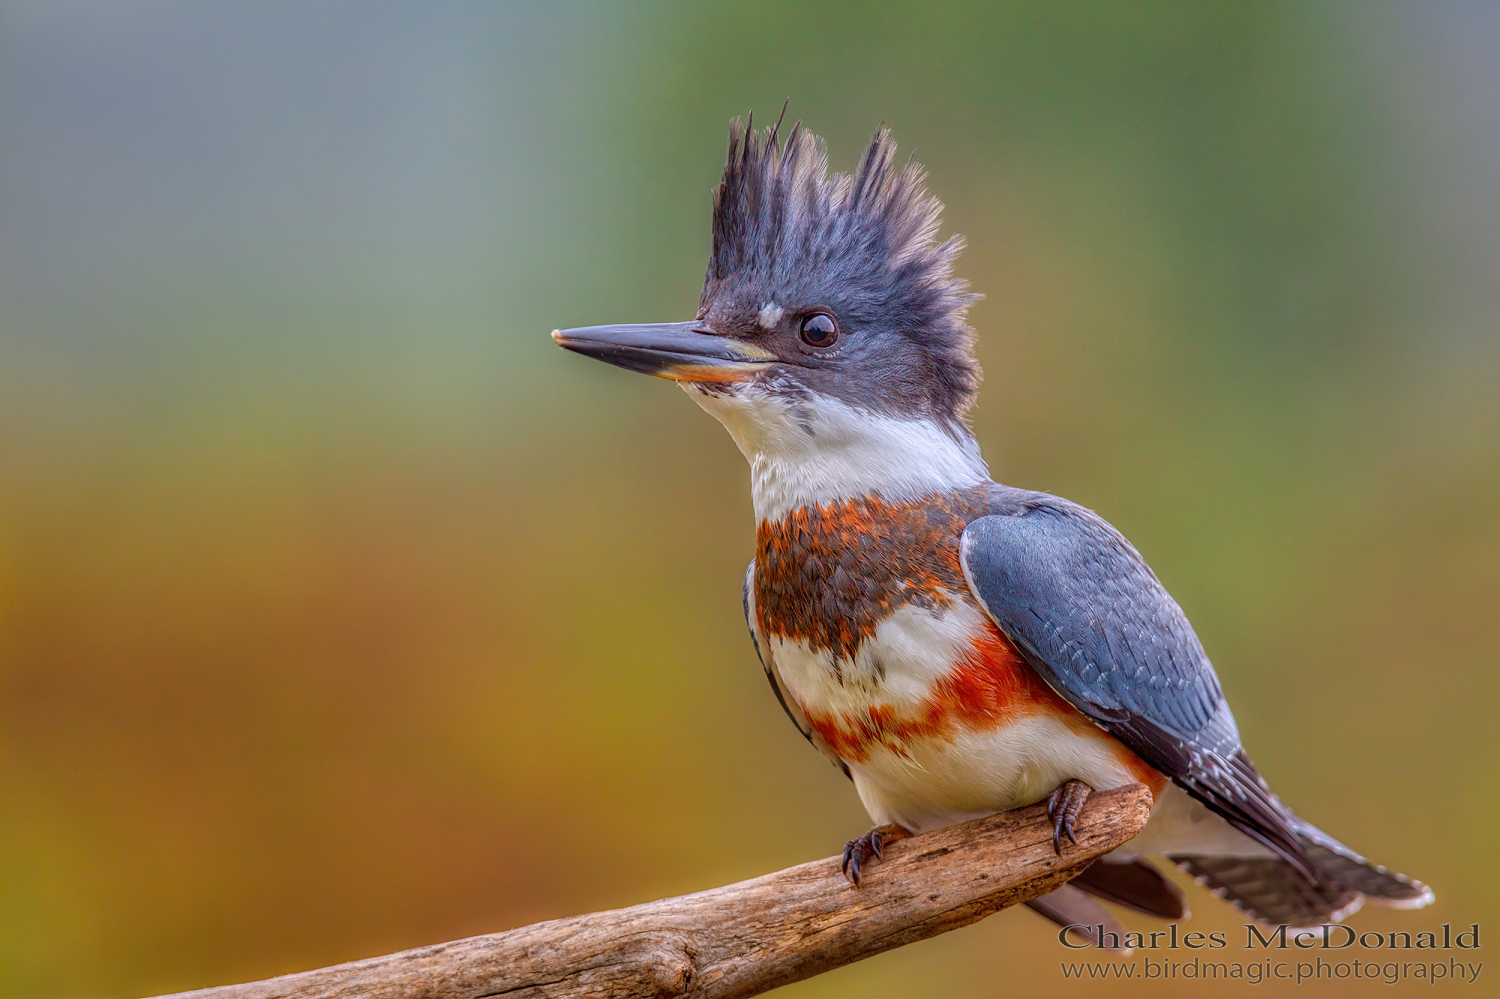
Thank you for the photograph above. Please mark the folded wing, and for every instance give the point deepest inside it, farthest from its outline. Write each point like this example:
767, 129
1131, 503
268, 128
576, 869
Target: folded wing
1090, 616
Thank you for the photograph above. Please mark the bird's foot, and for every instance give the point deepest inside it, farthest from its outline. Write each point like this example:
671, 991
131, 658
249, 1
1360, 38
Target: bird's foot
1063, 806
868, 848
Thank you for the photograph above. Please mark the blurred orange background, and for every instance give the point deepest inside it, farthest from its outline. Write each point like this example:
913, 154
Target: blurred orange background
340, 612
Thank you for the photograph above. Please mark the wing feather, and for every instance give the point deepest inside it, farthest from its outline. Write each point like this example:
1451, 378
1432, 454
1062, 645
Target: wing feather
1091, 617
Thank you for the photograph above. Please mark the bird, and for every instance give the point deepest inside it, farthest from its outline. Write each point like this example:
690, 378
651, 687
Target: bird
954, 646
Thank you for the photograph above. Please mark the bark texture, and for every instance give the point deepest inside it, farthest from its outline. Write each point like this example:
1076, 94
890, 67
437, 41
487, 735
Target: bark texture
749, 937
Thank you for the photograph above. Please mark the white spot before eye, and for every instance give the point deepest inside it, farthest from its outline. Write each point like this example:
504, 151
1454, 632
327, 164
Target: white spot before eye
770, 314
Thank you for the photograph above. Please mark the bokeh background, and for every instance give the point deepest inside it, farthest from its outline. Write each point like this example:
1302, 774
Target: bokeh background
340, 612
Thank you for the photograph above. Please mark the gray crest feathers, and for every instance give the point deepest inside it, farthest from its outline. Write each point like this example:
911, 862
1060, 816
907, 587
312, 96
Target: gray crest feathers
867, 239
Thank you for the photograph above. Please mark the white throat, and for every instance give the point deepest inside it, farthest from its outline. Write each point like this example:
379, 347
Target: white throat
824, 450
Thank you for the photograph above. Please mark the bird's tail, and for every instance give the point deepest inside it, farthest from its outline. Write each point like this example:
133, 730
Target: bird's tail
1272, 891
1134, 884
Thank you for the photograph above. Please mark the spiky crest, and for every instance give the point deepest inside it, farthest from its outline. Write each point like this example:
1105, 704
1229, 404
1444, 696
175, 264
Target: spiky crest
784, 227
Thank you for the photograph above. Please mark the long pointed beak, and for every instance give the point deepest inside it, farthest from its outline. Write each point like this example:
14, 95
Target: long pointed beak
683, 352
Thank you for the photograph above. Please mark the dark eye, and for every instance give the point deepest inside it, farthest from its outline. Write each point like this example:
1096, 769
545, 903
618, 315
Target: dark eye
819, 330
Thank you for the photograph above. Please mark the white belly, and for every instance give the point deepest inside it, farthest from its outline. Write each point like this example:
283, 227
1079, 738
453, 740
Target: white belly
930, 782
981, 773
940, 782
964, 772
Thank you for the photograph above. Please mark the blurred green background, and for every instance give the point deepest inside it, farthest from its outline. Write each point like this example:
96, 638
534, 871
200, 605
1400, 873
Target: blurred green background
341, 612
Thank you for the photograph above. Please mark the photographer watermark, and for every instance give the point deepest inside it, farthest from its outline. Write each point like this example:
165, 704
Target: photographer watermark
1330, 951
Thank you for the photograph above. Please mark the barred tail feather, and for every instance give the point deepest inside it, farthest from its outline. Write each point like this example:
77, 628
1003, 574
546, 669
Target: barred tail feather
1341, 865
1272, 891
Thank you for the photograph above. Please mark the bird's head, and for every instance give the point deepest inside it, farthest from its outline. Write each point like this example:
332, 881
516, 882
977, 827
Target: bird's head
830, 318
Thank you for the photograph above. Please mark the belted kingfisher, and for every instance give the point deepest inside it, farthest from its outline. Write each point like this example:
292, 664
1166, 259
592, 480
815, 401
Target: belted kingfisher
955, 646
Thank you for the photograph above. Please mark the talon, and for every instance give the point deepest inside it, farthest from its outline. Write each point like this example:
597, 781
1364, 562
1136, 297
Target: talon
867, 848
1063, 806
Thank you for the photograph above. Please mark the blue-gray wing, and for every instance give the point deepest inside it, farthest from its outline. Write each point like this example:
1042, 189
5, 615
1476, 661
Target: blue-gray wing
768, 663
1091, 617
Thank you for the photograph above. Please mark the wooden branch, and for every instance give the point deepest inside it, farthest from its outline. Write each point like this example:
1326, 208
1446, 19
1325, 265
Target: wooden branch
745, 938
